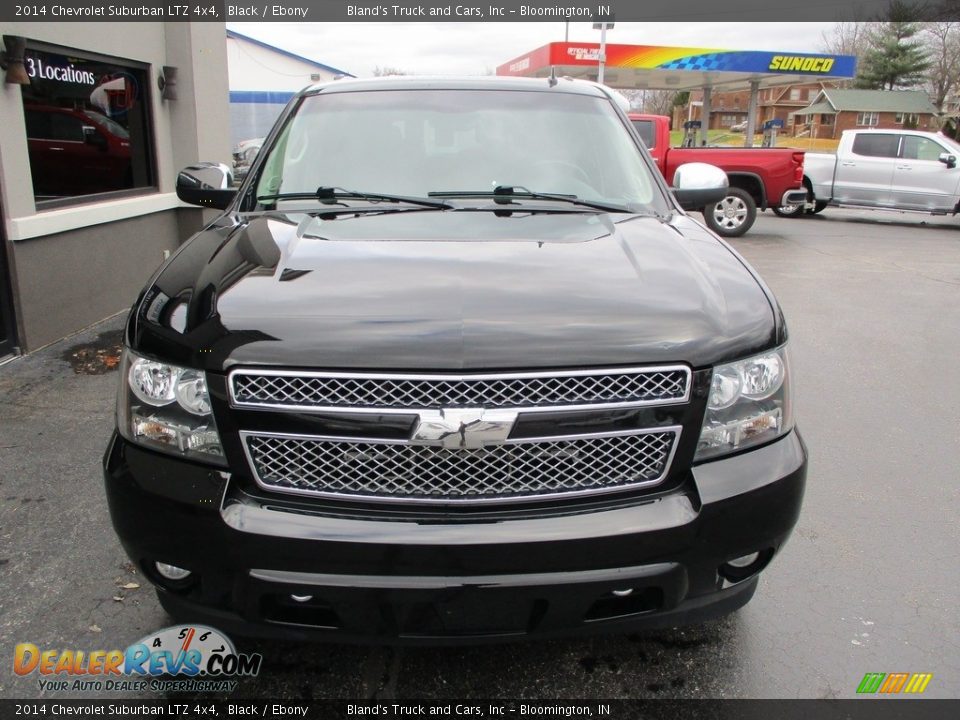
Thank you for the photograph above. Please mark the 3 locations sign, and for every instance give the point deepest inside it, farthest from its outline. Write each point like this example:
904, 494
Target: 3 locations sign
42, 68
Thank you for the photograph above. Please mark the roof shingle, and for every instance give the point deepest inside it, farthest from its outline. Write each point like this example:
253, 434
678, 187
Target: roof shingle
897, 101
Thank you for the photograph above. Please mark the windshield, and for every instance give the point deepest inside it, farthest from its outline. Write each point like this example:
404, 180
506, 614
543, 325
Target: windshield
952, 144
416, 142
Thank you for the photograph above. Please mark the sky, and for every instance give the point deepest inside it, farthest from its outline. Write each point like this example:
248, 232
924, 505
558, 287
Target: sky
478, 48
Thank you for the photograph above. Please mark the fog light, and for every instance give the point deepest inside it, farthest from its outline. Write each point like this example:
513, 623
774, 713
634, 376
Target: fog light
172, 572
623, 593
744, 561
301, 598
745, 566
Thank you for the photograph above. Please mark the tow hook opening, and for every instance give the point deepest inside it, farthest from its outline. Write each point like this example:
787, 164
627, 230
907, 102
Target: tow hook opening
298, 609
622, 602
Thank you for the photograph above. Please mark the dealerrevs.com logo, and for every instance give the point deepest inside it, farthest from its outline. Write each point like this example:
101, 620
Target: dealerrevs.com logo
894, 683
193, 658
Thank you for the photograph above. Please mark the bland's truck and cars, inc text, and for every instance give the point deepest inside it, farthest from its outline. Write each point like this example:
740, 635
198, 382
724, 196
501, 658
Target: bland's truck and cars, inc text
453, 364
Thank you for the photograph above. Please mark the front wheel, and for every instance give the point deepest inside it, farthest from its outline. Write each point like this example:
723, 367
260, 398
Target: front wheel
732, 216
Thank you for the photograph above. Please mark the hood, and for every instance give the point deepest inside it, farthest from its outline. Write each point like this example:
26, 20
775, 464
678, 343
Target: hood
453, 290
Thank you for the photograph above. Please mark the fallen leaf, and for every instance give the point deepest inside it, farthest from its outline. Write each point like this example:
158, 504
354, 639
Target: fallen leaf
131, 586
94, 628
118, 598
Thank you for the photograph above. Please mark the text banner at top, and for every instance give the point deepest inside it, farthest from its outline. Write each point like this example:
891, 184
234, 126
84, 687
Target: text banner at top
465, 11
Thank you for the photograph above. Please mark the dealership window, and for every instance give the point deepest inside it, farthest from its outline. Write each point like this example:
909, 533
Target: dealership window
868, 119
88, 128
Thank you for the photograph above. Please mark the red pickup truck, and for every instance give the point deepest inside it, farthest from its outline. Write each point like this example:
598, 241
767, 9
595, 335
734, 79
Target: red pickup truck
759, 177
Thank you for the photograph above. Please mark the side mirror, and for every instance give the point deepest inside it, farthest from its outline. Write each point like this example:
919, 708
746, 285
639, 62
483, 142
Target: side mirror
947, 159
92, 137
696, 185
206, 184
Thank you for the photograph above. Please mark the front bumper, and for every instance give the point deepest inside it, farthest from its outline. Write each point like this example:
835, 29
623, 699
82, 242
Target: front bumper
455, 577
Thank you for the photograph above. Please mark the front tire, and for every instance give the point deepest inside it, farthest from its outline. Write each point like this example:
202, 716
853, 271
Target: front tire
732, 216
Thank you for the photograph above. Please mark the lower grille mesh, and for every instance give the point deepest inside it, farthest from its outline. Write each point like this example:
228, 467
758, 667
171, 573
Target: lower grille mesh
373, 470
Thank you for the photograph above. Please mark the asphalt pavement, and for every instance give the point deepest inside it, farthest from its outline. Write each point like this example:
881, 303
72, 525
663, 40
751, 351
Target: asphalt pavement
868, 582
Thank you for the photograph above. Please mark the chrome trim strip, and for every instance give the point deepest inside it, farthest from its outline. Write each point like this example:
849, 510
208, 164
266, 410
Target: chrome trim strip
676, 430
441, 582
445, 377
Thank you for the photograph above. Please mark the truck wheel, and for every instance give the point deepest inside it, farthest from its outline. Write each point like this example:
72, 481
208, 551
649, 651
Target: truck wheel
732, 216
788, 210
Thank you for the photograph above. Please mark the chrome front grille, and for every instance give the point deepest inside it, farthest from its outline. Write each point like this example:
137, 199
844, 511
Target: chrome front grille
514, 470
365, 392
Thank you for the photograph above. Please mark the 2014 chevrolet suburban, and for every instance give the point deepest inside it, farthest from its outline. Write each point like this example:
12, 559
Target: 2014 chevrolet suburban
453, 365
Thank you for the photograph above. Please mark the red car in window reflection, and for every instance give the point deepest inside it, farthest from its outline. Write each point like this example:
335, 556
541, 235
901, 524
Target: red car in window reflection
76, 152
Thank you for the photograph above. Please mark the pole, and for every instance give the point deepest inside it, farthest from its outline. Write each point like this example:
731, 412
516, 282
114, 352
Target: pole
603, 51
566, 31
752, 113
705, 114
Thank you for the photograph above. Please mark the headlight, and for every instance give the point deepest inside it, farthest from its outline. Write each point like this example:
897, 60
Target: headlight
167, 407
749, 403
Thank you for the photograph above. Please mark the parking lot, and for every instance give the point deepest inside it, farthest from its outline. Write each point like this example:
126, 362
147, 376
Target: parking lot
868, 582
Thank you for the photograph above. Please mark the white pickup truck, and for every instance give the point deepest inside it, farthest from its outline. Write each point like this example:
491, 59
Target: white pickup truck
884, 169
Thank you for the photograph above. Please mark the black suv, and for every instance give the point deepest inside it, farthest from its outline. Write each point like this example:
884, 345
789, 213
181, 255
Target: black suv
453, 364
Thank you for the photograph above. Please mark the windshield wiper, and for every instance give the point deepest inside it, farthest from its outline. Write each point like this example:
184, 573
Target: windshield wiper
331, 195
504, 194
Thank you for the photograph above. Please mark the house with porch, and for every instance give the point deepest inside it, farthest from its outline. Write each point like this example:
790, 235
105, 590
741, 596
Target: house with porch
834, 110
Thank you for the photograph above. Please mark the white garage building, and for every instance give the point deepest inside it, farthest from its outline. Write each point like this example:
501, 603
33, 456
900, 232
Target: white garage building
262, 79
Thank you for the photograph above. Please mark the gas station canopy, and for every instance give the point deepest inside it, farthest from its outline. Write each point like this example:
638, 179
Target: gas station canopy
678, 68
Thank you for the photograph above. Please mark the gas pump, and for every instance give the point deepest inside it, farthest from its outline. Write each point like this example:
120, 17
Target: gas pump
691, 128
770, 128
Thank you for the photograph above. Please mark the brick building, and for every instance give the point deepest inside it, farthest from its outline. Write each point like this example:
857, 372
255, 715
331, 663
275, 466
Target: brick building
833, 111
730, 108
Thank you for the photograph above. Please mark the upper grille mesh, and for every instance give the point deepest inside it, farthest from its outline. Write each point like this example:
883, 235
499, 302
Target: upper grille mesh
415, 472
291, 389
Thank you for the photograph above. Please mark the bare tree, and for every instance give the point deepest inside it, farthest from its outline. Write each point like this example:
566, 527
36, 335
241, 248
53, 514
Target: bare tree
651, 102
387, 71
846, 38
942, 41
634, 96
658, 102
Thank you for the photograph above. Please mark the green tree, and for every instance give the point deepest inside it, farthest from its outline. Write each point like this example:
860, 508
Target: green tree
895, 56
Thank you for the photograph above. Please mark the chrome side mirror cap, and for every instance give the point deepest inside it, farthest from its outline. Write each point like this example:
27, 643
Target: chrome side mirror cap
947, 159
696, 185
206, 184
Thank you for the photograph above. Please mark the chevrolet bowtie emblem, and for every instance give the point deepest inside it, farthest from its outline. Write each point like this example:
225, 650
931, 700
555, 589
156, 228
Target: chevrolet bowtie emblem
463, 427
